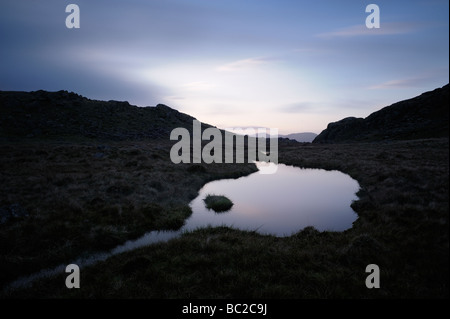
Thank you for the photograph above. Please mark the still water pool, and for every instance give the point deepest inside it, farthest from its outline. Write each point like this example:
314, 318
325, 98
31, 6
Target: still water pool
278, 204
282, 203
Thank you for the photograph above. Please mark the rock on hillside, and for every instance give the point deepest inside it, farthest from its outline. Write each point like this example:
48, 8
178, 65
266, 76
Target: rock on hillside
424, 116
63, 114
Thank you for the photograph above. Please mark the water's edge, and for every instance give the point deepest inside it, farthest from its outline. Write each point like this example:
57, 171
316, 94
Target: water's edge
145, 240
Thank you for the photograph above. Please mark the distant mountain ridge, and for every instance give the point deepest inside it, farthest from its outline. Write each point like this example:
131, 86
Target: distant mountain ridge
305, 137
63, 113
424, 116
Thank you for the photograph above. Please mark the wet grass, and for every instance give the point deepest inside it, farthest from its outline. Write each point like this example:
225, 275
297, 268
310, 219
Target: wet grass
77, 201
77, 198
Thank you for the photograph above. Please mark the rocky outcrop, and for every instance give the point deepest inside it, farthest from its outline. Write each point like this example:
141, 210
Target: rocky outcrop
424, 116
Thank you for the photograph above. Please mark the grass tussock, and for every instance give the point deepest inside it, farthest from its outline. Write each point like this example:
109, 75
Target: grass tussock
218, 203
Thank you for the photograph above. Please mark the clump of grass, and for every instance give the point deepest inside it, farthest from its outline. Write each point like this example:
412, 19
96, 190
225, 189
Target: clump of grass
218, 203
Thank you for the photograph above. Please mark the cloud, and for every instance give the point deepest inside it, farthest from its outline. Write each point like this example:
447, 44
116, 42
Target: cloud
412, 82
324, 106
387, 28
241, 64
198, 86
300, 107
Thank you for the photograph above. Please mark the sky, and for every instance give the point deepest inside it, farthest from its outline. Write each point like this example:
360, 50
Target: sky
286, 64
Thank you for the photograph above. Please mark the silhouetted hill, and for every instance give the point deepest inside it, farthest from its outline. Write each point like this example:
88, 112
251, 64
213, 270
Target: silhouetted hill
305, 137
424, 116
63, 114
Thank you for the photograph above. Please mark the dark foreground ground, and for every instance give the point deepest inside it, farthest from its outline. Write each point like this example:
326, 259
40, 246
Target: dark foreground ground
63, 200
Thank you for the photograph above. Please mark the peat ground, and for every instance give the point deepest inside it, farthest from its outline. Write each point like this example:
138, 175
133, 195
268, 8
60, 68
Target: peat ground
63, 200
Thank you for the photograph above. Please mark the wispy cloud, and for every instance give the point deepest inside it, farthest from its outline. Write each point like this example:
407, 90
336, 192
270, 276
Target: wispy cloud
411, 82
300, 107
308, 50
197, 86
387, 28
245, 63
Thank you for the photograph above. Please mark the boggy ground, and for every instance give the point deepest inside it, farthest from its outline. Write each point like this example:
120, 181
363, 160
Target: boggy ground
60, 200
78, 198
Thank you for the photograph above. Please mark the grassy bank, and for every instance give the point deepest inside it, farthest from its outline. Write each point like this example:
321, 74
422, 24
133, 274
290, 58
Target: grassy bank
63, 200
75, 198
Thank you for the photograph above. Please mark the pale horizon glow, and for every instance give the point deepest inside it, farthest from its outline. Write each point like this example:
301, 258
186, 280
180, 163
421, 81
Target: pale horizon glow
291, 65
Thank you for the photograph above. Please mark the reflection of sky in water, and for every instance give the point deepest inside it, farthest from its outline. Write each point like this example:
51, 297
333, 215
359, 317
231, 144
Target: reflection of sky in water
278, 204
281, 203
